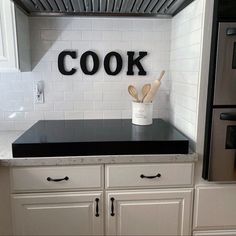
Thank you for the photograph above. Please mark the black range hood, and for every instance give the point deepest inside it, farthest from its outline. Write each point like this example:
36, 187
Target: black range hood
139, 8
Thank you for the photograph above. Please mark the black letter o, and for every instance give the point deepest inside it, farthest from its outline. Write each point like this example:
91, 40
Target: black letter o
118, 65
83, 62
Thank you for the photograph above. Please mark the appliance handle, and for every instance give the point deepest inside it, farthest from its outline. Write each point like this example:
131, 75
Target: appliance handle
228, 116
231, 31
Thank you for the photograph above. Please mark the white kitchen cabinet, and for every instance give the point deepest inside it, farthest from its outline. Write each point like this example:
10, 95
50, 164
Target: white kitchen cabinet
58, 213
149, 212
14, 38
215, 207
61, 200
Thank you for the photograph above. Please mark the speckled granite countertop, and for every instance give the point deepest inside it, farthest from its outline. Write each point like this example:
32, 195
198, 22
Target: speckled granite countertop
6, 158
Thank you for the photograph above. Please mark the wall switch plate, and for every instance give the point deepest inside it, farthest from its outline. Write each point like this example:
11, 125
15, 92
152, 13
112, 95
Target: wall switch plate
39, 92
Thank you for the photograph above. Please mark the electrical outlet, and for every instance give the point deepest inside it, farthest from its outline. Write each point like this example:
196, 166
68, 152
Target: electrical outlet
39, 92
39, 98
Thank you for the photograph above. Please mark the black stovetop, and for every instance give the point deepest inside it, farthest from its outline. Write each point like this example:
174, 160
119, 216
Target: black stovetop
99, 137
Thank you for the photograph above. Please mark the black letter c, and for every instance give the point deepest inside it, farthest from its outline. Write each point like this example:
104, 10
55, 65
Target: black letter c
61, 62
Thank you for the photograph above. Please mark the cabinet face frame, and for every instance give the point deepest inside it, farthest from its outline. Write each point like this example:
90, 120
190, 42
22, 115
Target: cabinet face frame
8, 39
33, 205
183, 196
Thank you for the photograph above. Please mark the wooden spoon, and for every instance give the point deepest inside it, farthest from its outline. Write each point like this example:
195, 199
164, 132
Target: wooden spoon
133, 92
145, 90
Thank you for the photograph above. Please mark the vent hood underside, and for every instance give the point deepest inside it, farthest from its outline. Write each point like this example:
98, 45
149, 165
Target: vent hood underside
153, 8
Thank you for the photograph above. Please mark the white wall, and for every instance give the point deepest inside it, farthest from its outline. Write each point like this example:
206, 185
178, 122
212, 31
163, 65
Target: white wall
185, 67
85, 97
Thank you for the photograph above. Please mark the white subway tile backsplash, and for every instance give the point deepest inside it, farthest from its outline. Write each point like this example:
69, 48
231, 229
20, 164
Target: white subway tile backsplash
1, 116
83, 106
22, 125
73, 115
62, 23
126, 114
73, 96
91, 115
81, 46
171, 44
102, 24
112, 114
33, 115
61, 45
10, 76
81, 24
41, 66
63, 106
70, 35
7, 125
187, 102
54, 115
15, 116
131, 35
186, 44
48, 106
101, 105
111, 35
143, 25
50, 34
57, 96
14, 106
113, 95
122, 24
93, 96
91, 35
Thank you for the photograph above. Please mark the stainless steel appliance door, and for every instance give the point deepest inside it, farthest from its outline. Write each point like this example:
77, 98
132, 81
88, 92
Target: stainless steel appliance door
223, 145
225, 83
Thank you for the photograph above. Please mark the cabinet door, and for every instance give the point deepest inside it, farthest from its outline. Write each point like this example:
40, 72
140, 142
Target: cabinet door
157, 212
8, 42
215, 207
58, 214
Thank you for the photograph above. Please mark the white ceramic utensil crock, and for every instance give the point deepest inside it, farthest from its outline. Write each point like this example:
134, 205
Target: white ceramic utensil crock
142, 113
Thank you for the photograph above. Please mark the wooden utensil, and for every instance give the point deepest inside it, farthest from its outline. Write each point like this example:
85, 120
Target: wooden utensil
145, 90
155, 86
133, 92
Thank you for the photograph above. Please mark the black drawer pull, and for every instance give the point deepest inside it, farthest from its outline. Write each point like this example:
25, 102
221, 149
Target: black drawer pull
112, 206
97, 208
231, 31
57, 180
150, 177
228, 116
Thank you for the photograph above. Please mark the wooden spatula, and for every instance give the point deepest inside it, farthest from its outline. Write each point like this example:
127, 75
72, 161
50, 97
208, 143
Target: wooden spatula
133, 92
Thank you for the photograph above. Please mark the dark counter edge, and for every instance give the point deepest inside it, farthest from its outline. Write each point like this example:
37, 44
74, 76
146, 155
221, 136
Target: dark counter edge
100, 148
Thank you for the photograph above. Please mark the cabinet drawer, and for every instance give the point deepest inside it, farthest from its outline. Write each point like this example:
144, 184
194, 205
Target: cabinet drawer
37, 178
149, 175
215, 207
215, 233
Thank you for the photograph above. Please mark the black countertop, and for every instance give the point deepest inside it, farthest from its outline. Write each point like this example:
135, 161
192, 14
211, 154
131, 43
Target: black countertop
99, 137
